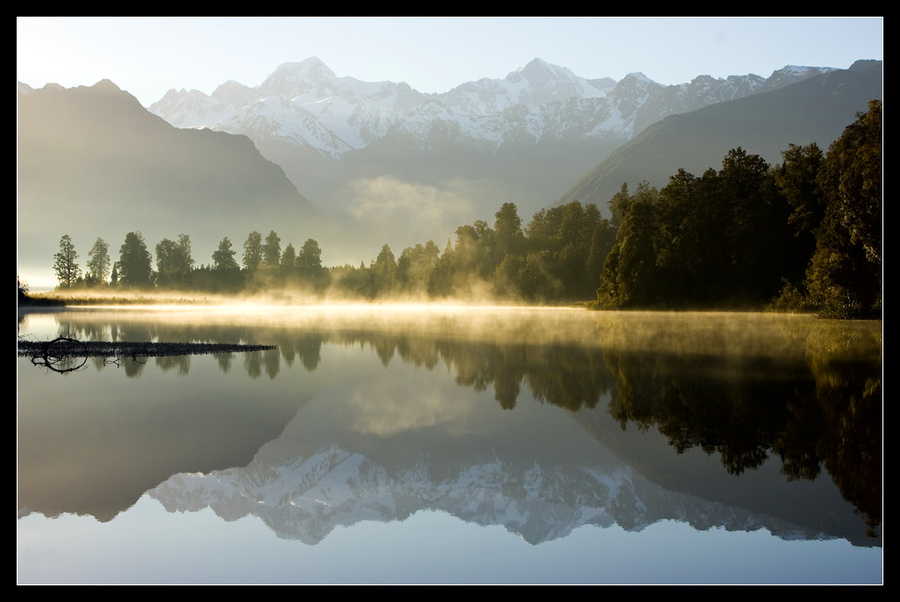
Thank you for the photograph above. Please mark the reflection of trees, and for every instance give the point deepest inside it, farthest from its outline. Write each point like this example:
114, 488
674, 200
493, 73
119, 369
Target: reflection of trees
814, 412
790, 390
179, 363
569, 376
306, 346
224, 360
850, 394
733, 406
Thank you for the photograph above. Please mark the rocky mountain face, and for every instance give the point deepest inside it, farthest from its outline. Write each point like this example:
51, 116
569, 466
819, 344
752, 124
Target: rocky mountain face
383, 154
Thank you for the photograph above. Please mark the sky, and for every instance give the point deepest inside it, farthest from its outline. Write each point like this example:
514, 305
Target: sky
148, 56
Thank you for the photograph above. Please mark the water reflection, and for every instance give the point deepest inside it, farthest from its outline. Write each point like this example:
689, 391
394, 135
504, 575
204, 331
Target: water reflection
603, 419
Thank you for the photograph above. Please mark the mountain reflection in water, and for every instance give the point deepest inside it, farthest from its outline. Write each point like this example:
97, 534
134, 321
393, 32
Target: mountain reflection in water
741, 421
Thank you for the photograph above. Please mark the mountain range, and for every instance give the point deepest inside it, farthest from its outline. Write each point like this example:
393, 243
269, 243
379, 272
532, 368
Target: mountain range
358, 150
356, 165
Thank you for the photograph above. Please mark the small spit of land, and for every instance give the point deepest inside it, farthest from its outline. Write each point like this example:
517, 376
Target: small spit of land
63, 346
58, 353
49, 352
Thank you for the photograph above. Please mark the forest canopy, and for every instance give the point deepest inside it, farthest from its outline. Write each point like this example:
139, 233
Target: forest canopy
802, 236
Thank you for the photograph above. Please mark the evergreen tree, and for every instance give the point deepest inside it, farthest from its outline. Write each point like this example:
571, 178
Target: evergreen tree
851, 178
135, 268
636, 254
174, 262
67, 270
756, 227
253, 251
383, 272
689, 238
310, 268
223, 256
797, 180
310, 256
473, 254
603, 238
845, 279
629, 272
271, 250
289, 257
225, 275
99, 263
185, 256
416, 265
510, 238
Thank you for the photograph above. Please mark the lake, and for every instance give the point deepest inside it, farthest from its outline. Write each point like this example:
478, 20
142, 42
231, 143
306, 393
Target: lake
438, 444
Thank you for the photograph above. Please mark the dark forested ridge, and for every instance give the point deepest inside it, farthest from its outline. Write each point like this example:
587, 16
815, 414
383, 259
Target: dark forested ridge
804, 235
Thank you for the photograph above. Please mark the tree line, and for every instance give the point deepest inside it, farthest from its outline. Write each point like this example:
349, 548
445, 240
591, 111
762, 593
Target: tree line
176, 268
804, 235
552, 259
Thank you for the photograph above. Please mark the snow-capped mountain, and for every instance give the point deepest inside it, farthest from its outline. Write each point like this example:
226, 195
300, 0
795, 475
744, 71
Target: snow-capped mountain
374, 155
302, 103
306, 104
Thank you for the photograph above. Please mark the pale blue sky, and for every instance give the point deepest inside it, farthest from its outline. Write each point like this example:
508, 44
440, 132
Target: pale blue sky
147, 56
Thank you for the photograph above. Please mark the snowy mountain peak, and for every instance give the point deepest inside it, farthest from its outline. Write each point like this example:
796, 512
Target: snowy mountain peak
305, 104
310, 76
538, 72
638, 76
310, 68
234, 94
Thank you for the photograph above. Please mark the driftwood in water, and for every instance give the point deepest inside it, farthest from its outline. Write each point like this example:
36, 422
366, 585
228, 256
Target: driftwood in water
54, 353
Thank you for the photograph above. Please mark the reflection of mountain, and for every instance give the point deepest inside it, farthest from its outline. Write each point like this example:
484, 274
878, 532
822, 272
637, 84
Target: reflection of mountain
539, 499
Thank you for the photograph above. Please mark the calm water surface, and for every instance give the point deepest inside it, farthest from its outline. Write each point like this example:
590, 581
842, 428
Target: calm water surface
447, 445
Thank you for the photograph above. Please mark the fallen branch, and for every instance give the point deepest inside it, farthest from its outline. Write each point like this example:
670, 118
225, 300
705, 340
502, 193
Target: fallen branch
61, 349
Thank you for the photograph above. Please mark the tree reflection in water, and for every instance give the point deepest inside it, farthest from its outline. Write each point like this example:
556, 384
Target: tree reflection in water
807, 391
